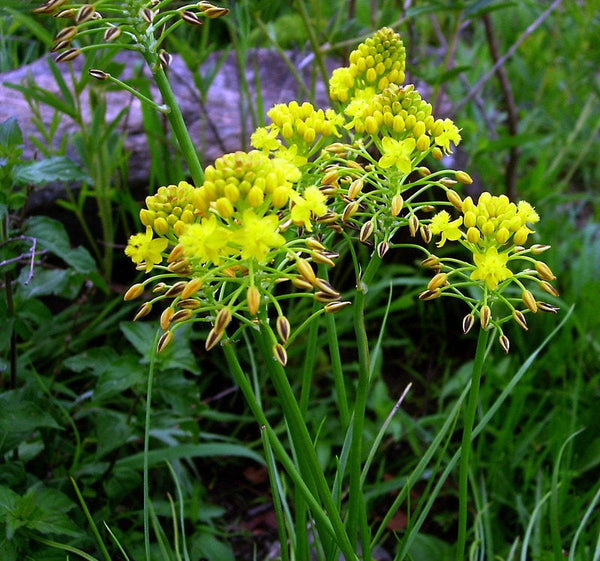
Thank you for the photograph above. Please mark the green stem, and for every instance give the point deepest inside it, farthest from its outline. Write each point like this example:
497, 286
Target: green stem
147, 446
301, 438
466, 445
178, 126
357, 516
330, 520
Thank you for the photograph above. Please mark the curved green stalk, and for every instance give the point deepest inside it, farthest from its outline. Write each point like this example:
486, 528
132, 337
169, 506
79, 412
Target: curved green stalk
466, 445
301, 438
188, 150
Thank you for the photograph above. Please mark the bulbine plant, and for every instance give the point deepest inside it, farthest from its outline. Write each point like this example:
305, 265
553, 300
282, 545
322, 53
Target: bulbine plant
236, 246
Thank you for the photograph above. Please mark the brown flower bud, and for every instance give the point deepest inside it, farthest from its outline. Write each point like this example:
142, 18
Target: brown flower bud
301, 283
537, 248
181, 315
355, 188
350, 210
148, 15
333, 307
98, 74
68, 55
165, 318
366, 231
223, 319
144, 310
84, 13
176, 289
189, 304
425, 233
48, 7
112, 33
382, 249
164, 341
280, 354
485, 315
191, 18
430, 294
283, 328
463, 177
504, 343
324, 286
413, 225
212, 339
397, 204
467, 323
66, 34
545, 307
547, 287
321, 257
519, 317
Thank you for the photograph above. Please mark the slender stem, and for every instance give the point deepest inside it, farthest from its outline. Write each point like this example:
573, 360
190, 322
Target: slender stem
357, 505
329, 521
302, 440
147, 446
466, 445
178, 126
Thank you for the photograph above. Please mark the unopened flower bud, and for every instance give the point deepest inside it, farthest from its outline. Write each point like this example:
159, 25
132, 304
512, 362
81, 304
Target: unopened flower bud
547, 287
544, 271
191, 18
537, 248
191, 288
134, 292
68, 55
85, 13
112, 33
48, 7
164, 341
366, 231
397, 204
213, 338
181, 315
485, 314
165, 318
463, 177
253, 300
350, 210
529, 301
431, 262
430, 294
333, 307
439, 280
305, 270
382, 248
425, 233
504, 343
321, 257
549, 308
355, 188
144, 310
283, 328
176, 289
223, 319
280, 354
210, 11
437, 153
324, 286
454, 198
413, 225
98, 74
467, 323
519, 317
189, 304
66, 34
301, 283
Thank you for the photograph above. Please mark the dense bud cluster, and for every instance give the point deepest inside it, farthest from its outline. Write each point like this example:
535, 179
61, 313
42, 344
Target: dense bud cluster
169, 210
376, 63
243, 180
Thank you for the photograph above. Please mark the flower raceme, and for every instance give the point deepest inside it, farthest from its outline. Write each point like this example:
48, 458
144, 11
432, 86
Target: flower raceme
275, 213
494, 231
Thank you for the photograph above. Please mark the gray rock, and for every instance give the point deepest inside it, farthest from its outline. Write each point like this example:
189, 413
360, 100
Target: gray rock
215, 124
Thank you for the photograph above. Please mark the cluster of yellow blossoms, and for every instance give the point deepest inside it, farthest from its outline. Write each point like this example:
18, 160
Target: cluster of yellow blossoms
494, 231
320, 177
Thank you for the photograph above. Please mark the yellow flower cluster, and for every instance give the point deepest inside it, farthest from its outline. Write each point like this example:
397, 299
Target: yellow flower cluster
377, 62
494, 220
244, 180
170, 209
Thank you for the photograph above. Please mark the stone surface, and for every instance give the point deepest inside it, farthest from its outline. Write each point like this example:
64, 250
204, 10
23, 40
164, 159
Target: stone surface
215, 123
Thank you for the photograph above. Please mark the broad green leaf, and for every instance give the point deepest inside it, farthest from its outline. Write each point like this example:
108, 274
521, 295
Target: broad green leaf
50, 170
57, 282
52, 236
10, 136
20, 417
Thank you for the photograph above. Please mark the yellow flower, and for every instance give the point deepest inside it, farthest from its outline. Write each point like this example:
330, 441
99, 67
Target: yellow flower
206, 241
143, 249
258, 236
448, 134
312, 203
265, 139
491, 267
449, 230
397, 153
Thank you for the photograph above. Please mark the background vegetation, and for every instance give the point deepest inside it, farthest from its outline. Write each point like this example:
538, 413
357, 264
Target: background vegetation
73, 366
